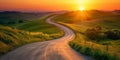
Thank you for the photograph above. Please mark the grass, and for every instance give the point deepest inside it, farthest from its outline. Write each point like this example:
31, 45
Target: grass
103, 50
9, 17
97, 51
38, 25
11, 38
17, 35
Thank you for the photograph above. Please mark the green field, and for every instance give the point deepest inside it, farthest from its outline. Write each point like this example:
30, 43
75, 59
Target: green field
24, 29
38, 26
104, 49
7, 17
15, 35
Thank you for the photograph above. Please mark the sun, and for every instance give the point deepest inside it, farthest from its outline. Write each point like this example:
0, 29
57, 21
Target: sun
81, 8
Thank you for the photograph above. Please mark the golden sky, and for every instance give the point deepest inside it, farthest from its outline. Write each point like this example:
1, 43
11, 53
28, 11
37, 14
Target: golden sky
55, 5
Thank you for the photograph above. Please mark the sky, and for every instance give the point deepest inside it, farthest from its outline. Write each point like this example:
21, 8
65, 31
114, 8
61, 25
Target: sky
57, 5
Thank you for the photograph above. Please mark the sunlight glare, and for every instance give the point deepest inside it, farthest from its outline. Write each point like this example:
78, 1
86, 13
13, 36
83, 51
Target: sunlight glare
81, 8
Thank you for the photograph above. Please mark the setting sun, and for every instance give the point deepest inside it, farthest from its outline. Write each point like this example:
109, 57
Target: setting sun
81, 8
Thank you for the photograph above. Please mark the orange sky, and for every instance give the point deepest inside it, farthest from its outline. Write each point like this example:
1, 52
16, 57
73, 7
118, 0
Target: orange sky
55, 5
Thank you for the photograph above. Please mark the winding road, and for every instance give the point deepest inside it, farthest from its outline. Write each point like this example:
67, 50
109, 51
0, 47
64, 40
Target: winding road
57, 49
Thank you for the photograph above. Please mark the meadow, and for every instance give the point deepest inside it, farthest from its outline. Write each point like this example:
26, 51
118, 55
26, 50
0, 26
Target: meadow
14, 35
79, 22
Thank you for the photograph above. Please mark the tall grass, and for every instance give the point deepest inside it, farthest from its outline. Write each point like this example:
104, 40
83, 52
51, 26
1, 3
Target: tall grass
84, 45
27, 32
111, 45
103, 50
97, 51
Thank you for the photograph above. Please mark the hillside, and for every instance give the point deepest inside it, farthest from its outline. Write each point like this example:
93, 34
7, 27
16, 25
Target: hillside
97, 33
38, 25
14, 17
15, 35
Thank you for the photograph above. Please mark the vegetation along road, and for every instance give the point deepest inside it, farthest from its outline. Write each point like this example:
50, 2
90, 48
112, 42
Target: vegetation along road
57, 49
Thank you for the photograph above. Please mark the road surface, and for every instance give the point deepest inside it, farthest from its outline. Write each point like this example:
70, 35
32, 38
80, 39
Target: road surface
57, 49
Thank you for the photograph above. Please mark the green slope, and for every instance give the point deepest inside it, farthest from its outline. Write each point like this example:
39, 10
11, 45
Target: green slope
38, 25
20, 34
98, 50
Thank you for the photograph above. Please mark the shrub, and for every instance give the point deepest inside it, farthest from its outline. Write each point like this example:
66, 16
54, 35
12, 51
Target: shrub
20, 21
97, 34
113, 34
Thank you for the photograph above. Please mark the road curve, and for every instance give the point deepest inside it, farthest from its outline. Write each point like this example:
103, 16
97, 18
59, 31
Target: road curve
57, 49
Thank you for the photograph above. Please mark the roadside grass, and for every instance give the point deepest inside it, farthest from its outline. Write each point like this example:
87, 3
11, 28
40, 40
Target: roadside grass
11, 38
103, 50
16, 35
97, 51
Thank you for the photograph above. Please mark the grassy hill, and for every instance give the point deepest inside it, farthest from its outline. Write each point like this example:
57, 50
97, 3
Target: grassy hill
38, 25
18, 34
11, 38
105, 48
12, 17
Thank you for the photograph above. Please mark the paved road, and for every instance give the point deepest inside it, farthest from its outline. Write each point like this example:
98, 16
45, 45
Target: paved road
57, 49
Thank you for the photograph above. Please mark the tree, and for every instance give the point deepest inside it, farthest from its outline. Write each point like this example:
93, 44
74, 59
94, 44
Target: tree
20, 21
95, 33
113, 34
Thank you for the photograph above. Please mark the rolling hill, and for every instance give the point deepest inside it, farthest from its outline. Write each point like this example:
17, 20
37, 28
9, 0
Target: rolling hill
84, 21
32, 29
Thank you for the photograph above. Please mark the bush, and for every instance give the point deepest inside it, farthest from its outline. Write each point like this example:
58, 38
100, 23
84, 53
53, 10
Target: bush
97, 34
20, 21
113, 34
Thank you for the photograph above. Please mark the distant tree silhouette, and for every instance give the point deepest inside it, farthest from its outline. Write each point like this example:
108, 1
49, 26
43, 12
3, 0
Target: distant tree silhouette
94, 33
113, 34
97, 34
20, 21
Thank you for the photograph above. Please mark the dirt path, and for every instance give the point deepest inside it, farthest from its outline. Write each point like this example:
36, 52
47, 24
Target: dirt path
57, 49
